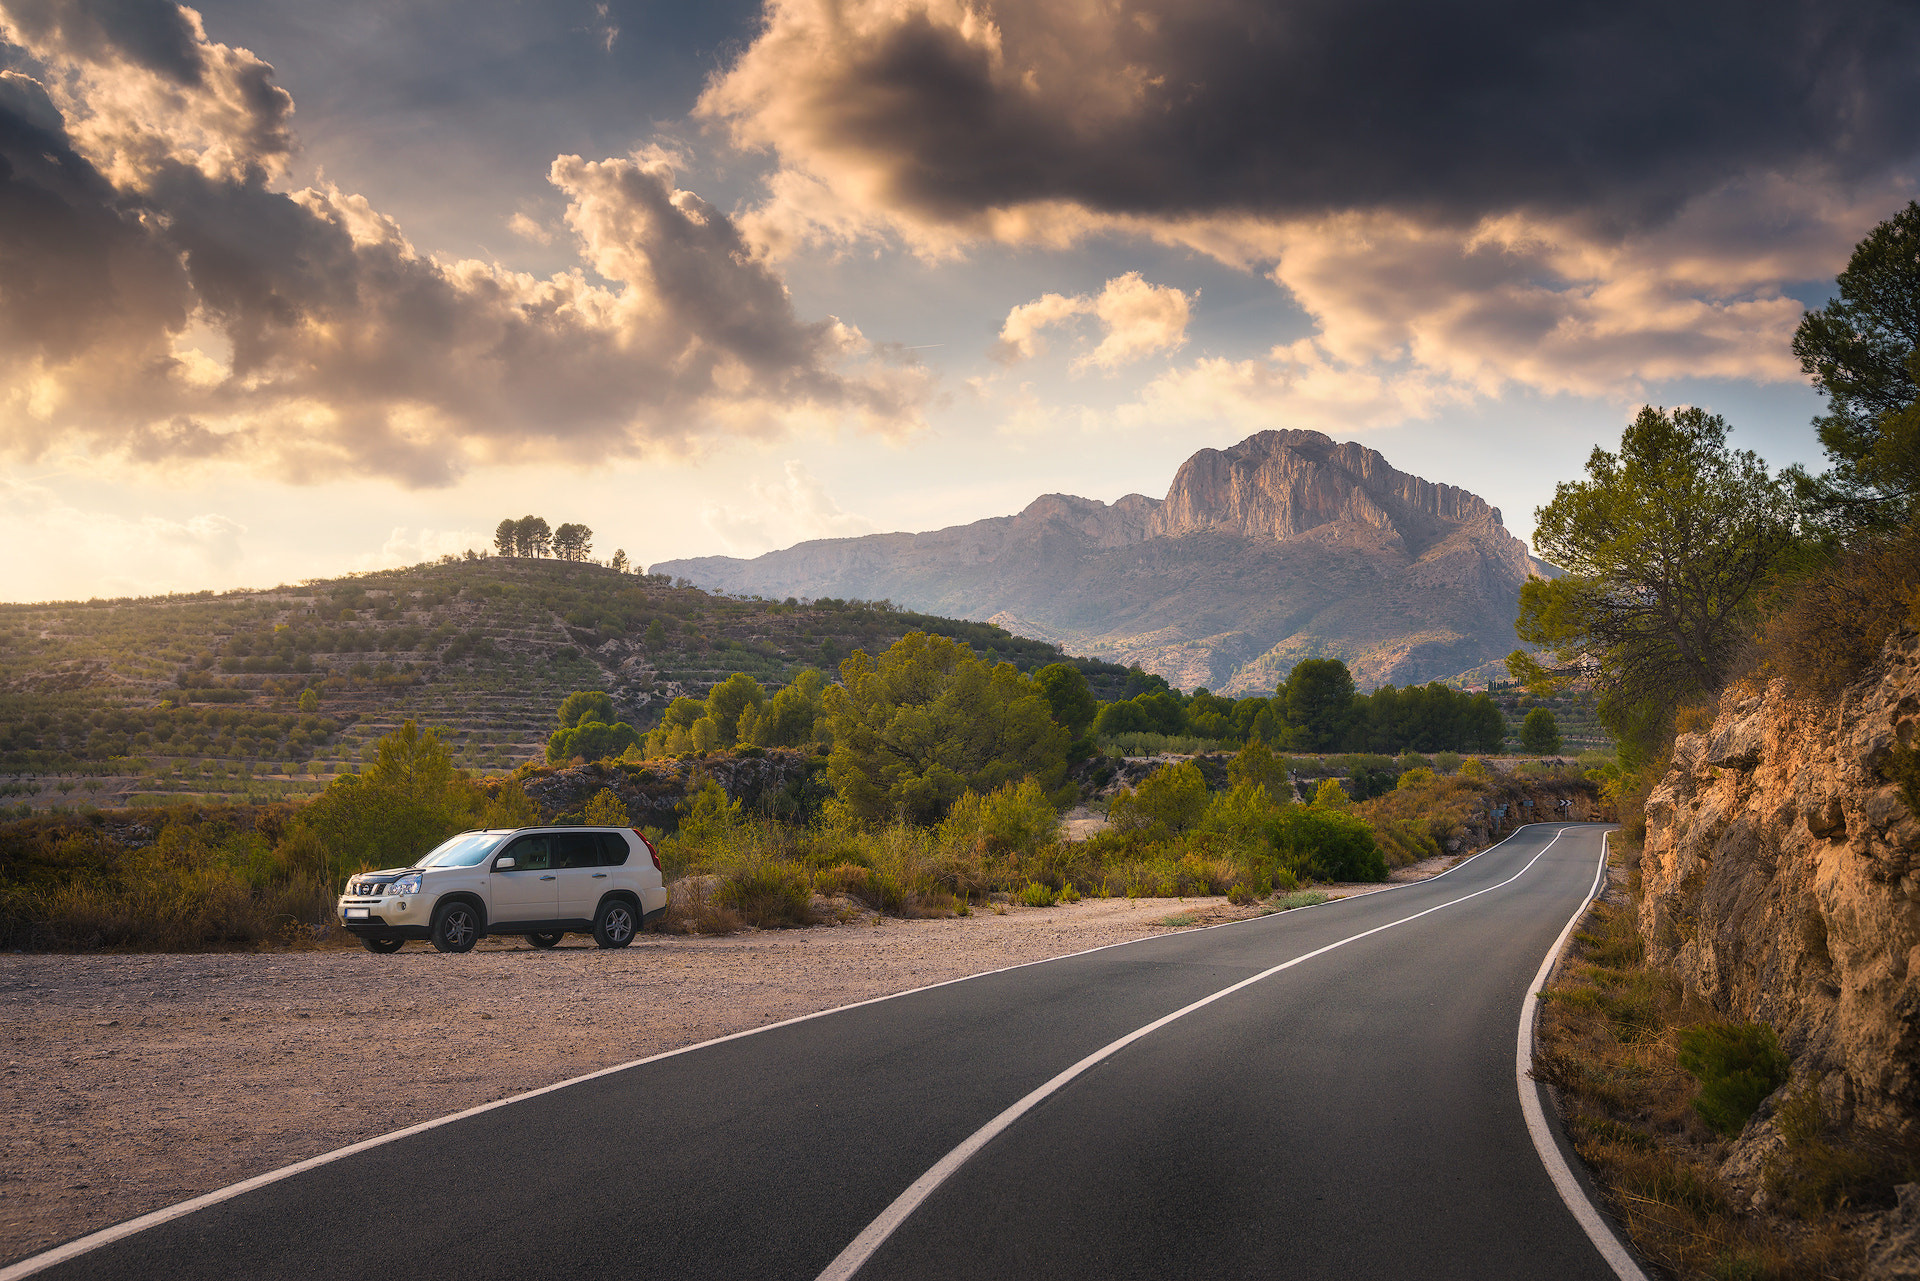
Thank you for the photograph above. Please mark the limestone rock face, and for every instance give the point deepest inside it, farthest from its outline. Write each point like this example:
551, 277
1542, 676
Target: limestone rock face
1280, 484
1782, 881
1286, 546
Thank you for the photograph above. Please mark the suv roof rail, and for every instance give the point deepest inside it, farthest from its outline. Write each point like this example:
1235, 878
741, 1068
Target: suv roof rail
541, 827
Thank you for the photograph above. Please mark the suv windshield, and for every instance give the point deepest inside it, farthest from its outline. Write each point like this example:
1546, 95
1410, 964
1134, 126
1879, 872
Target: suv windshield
469, 849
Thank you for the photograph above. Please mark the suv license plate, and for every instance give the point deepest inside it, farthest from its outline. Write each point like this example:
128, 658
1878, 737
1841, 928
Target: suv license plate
353, 912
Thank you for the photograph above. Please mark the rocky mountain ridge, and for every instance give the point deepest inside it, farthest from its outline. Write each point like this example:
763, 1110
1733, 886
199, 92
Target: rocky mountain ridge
1286, 546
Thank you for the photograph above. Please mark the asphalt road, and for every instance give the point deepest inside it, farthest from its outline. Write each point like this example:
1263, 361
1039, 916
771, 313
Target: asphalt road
1353, 1116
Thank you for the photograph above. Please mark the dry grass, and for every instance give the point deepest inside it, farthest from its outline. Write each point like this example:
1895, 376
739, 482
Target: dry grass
1609, 1043
209, 878
1833, 623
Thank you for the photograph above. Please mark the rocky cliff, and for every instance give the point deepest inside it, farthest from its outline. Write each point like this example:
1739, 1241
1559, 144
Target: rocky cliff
1781, 881
1286, 546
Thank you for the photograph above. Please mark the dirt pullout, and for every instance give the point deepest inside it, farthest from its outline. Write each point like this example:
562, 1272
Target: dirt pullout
133, 1082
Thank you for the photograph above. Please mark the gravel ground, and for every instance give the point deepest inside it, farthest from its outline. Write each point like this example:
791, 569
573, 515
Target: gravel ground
135, 1081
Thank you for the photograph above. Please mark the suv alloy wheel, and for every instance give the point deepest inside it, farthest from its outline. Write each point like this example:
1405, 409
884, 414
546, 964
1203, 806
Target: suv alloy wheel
456, 927
614, 923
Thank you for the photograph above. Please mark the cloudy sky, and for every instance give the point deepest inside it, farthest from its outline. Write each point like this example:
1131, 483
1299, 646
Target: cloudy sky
293, 288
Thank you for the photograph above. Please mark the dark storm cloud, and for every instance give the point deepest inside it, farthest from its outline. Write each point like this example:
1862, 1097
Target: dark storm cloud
1174, 108
161, 38
160, 299
79, 266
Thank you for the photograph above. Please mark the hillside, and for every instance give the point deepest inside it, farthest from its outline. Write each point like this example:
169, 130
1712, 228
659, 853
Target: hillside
1287, 546
200, 695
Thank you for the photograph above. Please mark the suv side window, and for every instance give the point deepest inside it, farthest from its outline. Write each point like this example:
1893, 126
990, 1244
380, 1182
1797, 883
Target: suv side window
529, 854
575, 849
613, 849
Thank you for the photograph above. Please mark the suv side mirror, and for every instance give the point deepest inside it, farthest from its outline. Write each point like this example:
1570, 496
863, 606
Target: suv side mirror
504, 864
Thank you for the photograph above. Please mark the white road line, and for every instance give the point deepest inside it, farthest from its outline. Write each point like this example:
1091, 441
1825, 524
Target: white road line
1594, 1223
120, 1231
861, 1248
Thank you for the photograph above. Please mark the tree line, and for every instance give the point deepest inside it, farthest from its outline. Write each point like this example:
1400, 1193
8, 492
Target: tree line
531, 537
1317, 708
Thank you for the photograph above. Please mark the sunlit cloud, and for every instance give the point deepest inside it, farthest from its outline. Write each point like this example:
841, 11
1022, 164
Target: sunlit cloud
406, 546
111, 553
773, 515
1136, 319
144, 164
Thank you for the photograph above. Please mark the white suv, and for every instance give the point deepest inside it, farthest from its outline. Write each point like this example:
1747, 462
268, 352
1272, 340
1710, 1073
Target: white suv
540, 882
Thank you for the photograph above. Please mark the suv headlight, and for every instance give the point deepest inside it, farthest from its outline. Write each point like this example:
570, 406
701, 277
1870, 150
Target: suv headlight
406, 885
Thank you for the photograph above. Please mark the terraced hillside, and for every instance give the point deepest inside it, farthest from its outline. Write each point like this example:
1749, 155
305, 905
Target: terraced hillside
1573, 711
262, 694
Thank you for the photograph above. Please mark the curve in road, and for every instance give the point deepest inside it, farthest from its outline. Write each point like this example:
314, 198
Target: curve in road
1321, 1092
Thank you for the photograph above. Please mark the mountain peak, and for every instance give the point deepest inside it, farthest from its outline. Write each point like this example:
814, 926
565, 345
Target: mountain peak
1281, 484
1288, 545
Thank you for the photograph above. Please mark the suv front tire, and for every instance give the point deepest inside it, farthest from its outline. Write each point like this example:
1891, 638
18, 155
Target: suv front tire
456, 927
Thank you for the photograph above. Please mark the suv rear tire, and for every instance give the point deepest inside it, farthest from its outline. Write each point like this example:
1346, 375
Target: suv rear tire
384, 947
614, 924
545, 941
456, 927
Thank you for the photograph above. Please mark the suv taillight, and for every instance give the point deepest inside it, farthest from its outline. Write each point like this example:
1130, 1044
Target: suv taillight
650, 850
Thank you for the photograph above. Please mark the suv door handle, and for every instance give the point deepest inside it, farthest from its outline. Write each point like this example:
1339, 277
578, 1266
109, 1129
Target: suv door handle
546, 878
599, 876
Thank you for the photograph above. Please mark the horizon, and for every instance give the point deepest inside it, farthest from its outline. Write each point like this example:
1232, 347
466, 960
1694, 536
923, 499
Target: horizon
600, 556
298, 291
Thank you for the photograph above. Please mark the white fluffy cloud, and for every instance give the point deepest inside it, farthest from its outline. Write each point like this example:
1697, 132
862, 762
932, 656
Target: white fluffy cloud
1553, 307
793, 510
1298, 384
168, 304
110, 553
1136, 319
408, 546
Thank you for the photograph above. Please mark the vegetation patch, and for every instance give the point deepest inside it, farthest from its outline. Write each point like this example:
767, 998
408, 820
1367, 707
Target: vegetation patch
1737, 1066
1631, 1060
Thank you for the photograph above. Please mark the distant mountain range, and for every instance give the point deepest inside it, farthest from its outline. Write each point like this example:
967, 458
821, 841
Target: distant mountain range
1286, 546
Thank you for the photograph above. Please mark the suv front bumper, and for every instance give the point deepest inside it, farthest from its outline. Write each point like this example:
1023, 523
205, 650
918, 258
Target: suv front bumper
394, 916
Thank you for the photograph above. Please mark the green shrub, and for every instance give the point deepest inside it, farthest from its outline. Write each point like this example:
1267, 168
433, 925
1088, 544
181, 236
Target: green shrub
1256, 764
878, 890
1168, 801
1147, 743
1332, 844
708, 817
1903, 767
769, 896
1013, 818
1241, 813
1738, 1065
606, 809
1038, 895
